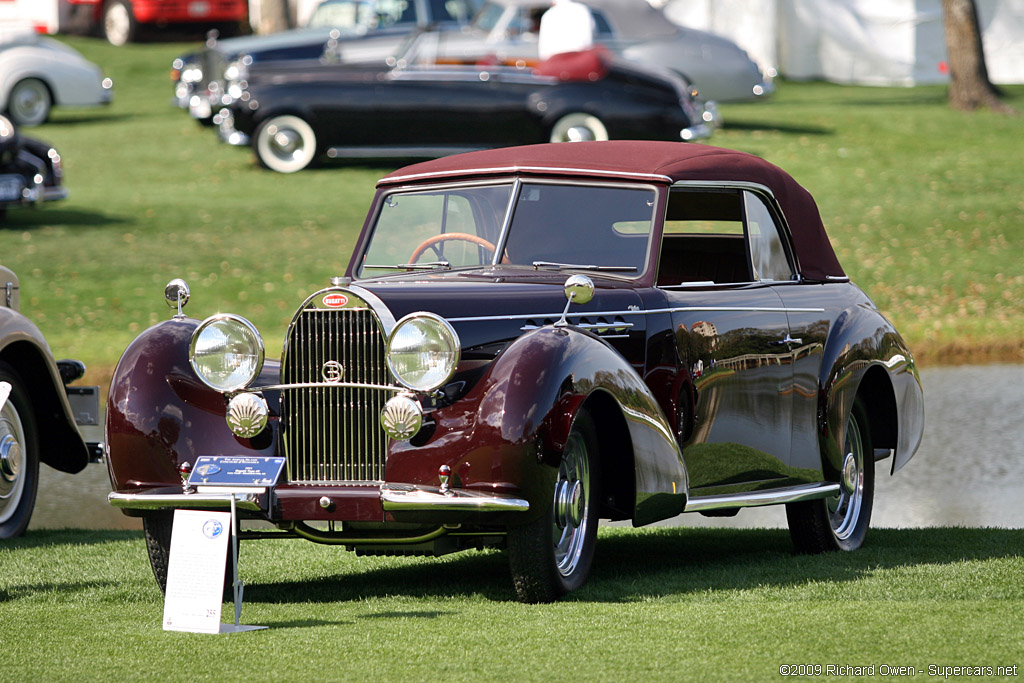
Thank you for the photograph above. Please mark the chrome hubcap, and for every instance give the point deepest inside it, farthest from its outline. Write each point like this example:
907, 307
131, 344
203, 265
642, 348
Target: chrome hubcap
570, 505
579, 134
844, 511
285, 142
11, 461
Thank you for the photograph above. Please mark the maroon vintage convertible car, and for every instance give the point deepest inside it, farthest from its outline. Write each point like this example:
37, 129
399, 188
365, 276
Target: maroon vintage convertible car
526, 341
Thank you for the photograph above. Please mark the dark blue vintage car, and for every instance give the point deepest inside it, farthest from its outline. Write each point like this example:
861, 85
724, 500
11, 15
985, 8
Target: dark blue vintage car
364, 30
30, 170
294, 113
528, 340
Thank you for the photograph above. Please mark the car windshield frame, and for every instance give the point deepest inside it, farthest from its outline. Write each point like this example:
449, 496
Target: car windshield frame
536, 252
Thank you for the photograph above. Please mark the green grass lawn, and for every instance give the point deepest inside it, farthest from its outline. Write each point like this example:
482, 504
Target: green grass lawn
662, 604
923, 205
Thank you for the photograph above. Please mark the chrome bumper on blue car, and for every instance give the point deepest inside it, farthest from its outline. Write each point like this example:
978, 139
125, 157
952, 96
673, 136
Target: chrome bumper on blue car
225, 123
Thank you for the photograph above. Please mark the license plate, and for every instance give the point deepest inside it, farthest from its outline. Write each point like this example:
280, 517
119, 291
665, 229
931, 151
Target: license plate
10, 188
198, 9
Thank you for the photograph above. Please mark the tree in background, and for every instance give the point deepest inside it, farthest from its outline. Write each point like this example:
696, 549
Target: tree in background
969, 85
273, 16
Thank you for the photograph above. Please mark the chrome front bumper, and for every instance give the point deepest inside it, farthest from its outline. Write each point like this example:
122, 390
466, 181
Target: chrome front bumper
393, 498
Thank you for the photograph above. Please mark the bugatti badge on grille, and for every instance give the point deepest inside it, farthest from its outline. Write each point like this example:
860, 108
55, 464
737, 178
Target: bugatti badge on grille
332, 372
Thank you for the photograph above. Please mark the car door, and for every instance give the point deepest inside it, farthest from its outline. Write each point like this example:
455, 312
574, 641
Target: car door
717, 269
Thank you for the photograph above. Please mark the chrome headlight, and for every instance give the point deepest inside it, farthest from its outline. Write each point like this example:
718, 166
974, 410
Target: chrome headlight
226, 352
423, 351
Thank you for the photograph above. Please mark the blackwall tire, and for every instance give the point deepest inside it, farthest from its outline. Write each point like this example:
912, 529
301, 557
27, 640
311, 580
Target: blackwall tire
285, 144
841, 522
19, 457
29, 102
578, 127
157, 526
552, 556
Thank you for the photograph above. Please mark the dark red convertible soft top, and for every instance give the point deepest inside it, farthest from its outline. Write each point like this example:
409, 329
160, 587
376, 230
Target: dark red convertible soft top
648, 161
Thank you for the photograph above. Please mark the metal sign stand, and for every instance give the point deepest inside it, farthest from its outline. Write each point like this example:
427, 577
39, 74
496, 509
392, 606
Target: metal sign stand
238, 588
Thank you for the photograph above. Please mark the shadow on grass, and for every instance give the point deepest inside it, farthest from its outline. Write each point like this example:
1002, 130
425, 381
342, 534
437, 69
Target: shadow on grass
635, 566
40, 538
807, 129
30, 218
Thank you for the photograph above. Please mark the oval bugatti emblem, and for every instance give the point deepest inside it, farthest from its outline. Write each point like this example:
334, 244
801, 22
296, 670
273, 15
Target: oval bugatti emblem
335, 300
332, 372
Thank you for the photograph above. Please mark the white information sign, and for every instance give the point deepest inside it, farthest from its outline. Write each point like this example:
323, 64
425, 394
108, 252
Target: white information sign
195, 572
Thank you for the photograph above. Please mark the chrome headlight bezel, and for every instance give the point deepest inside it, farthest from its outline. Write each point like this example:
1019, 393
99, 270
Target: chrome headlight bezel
250, 336
446, 358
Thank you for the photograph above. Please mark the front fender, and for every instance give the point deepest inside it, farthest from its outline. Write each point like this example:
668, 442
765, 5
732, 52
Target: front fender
159, 414
533, 391
23, 346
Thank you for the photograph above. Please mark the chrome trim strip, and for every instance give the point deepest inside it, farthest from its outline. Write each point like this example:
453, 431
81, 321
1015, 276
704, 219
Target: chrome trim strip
519, 169
399, 151
244, 500
678, 309
422, 498
321, 385
757, 498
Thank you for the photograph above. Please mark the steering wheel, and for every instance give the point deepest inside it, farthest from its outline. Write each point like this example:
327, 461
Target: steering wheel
444, 237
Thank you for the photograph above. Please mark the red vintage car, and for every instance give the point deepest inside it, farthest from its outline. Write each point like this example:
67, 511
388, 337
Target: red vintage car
528, 340
123, 21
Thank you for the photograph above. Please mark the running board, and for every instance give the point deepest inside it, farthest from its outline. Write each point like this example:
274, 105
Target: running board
794, 494
386, 152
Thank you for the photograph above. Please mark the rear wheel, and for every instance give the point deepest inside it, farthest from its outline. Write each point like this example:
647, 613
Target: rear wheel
119, 24
840, 522
578, 127
29, 102
157, 526
552, 556
285, 144
19, 457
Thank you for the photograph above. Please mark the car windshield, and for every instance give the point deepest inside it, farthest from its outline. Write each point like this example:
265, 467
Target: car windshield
546, 226
351, 14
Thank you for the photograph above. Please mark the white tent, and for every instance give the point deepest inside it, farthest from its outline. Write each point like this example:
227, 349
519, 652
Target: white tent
867, 42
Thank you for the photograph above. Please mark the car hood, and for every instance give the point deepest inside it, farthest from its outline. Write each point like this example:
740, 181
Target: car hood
493, 305
298, 37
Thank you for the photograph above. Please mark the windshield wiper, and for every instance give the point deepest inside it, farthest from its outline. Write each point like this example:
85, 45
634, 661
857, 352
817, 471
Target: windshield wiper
429, 265
576, 266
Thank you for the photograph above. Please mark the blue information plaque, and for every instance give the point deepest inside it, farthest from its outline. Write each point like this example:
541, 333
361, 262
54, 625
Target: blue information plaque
231, 470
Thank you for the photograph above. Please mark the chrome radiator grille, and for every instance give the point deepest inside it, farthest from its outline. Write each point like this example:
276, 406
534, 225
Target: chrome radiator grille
333, 434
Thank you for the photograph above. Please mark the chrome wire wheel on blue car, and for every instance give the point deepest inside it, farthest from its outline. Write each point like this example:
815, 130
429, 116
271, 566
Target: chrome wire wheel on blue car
552, 556
840, 522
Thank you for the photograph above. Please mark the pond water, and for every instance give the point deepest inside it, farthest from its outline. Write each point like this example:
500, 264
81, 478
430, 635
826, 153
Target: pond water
969, 470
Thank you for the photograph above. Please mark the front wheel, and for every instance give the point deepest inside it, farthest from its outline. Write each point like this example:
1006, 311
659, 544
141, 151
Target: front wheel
29, 102
285, 144
840, 522
19, 457
552, 556
157, 526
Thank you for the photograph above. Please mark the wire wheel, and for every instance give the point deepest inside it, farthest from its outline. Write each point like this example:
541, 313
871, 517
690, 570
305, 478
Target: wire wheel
552, 555
840, 522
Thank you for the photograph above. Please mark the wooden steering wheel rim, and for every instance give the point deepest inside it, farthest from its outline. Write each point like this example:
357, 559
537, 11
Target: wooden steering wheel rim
444, 237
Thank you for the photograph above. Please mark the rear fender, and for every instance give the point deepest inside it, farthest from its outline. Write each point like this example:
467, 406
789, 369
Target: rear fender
865, 356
